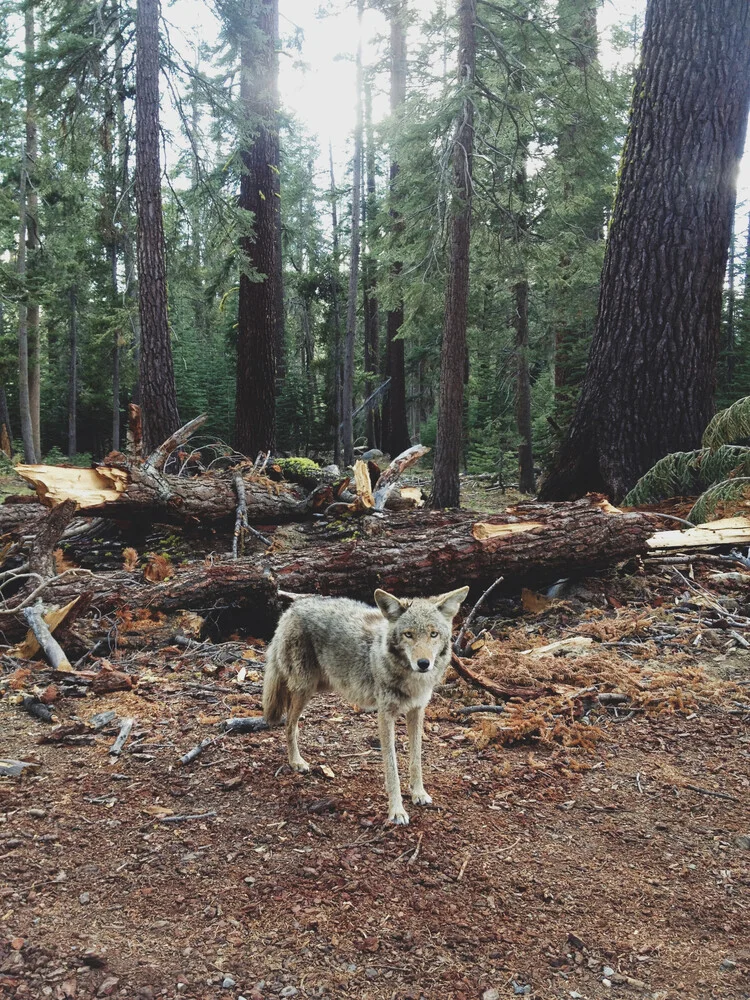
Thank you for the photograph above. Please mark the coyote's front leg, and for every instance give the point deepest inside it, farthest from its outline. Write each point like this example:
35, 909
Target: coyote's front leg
414, 725
387, 728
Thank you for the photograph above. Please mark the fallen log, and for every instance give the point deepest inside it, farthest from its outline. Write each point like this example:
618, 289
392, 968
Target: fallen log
408, 554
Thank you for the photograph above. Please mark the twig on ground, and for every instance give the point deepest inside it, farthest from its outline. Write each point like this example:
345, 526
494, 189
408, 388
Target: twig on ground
185, 818
125, 729
29, 599
713, 794
458, 644
191, 755
473, 709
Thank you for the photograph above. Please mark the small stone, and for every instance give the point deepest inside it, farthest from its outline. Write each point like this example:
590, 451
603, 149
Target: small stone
371, 973
289, 991
17, 943
107, 986
181, 987
606, 982
249, 880
37, 813
227, 983
743, 841
491, 995
728, 964
520, 989
84, 898
146, 993
606, 971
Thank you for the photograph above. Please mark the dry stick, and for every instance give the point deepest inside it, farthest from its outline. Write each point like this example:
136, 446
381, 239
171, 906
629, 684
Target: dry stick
44, 584
739, 620
47, 642
458, 644
503, 693
191, 755
473, 709
157, 459
184, 819
241, 524
708, 791
394, 471
125, 728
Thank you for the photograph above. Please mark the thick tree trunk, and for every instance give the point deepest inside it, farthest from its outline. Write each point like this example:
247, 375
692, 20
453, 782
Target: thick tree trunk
32, 229
6, 433
445, 491
395, 424
408, 555
650, 377
347, 389
259, 297
72, 373
158, 394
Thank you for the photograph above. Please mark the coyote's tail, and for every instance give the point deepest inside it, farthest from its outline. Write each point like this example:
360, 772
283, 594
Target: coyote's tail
275, 692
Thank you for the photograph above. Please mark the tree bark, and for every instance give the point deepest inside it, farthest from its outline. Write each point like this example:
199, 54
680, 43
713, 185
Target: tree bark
395, 424
650, 377
157, 384
32, 228
72, 373
582, 161
408, 555
347, 388
24, 403
369, 275
446, 491
526, 483
260, 275
334, 278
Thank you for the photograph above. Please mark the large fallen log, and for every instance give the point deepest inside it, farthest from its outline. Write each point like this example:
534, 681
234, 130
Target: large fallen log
409, 554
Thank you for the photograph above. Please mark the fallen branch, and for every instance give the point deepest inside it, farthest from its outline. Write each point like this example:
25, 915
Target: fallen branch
185, 818
47, 642
191, 755
715, 795
504, 693
126, 727
157, 460
458, 647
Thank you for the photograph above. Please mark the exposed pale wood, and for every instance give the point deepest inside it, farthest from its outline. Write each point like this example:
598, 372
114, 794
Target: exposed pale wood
484, 532
46, 641
52, 620
727, 531
88, 487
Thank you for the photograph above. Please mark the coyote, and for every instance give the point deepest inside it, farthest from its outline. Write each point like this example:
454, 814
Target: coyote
389, 659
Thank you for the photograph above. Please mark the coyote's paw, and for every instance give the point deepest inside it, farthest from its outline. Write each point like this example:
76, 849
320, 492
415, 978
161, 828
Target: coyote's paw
399, 816
299, 765
420, 797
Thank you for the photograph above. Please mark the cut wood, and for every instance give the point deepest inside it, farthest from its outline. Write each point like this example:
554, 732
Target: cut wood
727, 531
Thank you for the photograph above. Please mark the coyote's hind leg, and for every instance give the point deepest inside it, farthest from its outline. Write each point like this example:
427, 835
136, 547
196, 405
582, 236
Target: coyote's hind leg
297, 704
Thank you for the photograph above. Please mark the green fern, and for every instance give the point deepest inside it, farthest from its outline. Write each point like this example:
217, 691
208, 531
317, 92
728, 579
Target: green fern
687, 473
730, 426
732, 494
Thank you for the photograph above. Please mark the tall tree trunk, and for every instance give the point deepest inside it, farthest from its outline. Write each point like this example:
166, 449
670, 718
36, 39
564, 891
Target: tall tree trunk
158, 394
445, 491
395, 425
351, 306
258, 320
369, 274
526, 483
582, 161
336, 314
73, 373
650, 377
24, 405
730, 344
32, 228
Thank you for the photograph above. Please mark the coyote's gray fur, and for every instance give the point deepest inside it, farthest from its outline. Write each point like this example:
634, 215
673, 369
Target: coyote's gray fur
389, 659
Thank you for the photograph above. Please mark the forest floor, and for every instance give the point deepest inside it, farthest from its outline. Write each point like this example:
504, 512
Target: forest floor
574, 850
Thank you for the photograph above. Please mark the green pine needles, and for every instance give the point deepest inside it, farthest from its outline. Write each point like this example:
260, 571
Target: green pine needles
719, 471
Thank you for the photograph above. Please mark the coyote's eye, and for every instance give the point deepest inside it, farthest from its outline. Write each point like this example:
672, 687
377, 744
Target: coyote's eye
433, 635
408, 635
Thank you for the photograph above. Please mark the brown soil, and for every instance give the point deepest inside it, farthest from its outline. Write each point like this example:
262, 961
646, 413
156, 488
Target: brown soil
584, 871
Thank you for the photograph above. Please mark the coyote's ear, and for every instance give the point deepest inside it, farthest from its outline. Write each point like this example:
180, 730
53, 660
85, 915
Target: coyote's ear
390, 606
450, 603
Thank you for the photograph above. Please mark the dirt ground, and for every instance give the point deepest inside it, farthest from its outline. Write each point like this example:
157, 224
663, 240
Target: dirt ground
544, 870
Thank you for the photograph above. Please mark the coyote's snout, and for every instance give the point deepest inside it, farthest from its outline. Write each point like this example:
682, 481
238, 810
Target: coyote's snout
389, 659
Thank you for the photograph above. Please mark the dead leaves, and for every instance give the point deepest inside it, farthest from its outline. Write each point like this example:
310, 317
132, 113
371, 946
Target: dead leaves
158, 568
